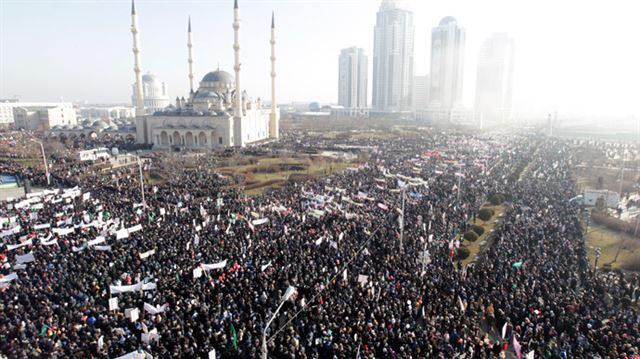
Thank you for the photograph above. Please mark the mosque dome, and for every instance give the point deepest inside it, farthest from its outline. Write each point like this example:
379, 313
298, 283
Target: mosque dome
217, 81
448, 20
149, 77
100, 124
218, 76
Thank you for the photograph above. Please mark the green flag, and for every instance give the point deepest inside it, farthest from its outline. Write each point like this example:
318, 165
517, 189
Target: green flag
234, 337
517, 264
43, 331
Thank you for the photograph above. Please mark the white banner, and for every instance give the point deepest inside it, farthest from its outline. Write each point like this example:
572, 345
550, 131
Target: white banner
147, 254
98, 240
155, 310
115, 289
137, 355
16, 246
214, 266
37, 206
38, 227
122, 234
257, 222
136, 228
47, 242
9, 277
27, 258
103, 248
63, 231
11, 231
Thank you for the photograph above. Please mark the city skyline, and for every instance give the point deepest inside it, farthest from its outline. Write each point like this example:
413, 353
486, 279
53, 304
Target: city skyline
79, 50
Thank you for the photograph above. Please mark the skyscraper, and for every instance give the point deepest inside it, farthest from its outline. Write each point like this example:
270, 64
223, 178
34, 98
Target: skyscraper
393, 58
352, 78
447, 64
420, 92
494, 79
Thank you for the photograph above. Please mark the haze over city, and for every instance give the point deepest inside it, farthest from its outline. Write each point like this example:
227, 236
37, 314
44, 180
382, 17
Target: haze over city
321, 179
571, 56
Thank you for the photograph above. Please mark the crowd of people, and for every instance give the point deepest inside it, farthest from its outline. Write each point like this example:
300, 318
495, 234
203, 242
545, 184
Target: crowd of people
361, 263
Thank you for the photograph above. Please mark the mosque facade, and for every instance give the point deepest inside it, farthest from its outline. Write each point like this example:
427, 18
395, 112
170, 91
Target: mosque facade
216, 114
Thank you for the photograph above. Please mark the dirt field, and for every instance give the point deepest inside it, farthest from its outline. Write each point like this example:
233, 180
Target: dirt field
611, 242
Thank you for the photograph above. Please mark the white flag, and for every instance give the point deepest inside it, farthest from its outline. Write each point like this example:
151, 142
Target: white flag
197, 272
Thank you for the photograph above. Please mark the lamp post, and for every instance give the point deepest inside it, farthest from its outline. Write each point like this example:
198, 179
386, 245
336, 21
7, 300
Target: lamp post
286, 297
44, 159
598, 253
144, 203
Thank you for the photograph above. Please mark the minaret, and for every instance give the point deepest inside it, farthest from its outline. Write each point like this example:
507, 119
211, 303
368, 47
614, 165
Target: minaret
136, 59
190, 48
273, 117
236, 49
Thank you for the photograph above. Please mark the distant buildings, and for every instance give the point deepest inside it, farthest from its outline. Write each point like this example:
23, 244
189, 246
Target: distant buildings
393, 58
494, 80
352, 78
155, 94
420, 92
447, 64
6, 112
36, 115
106, 112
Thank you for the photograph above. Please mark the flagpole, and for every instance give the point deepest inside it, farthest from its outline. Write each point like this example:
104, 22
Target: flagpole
286, 297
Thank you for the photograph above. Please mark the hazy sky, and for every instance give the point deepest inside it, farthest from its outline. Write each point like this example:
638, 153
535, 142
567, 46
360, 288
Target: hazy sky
573, 55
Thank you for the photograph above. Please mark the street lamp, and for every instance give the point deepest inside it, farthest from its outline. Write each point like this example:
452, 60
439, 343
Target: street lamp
290, 291
44, 159
144, 203
598, 253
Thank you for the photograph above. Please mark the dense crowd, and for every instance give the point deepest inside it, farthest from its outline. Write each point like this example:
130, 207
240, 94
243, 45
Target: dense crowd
211, 266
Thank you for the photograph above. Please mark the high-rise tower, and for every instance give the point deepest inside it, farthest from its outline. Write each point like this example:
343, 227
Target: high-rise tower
393, 58
494, 79
352, 78
447, 64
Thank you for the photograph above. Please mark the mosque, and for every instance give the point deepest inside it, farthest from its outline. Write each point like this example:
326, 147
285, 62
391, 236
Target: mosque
216, 114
